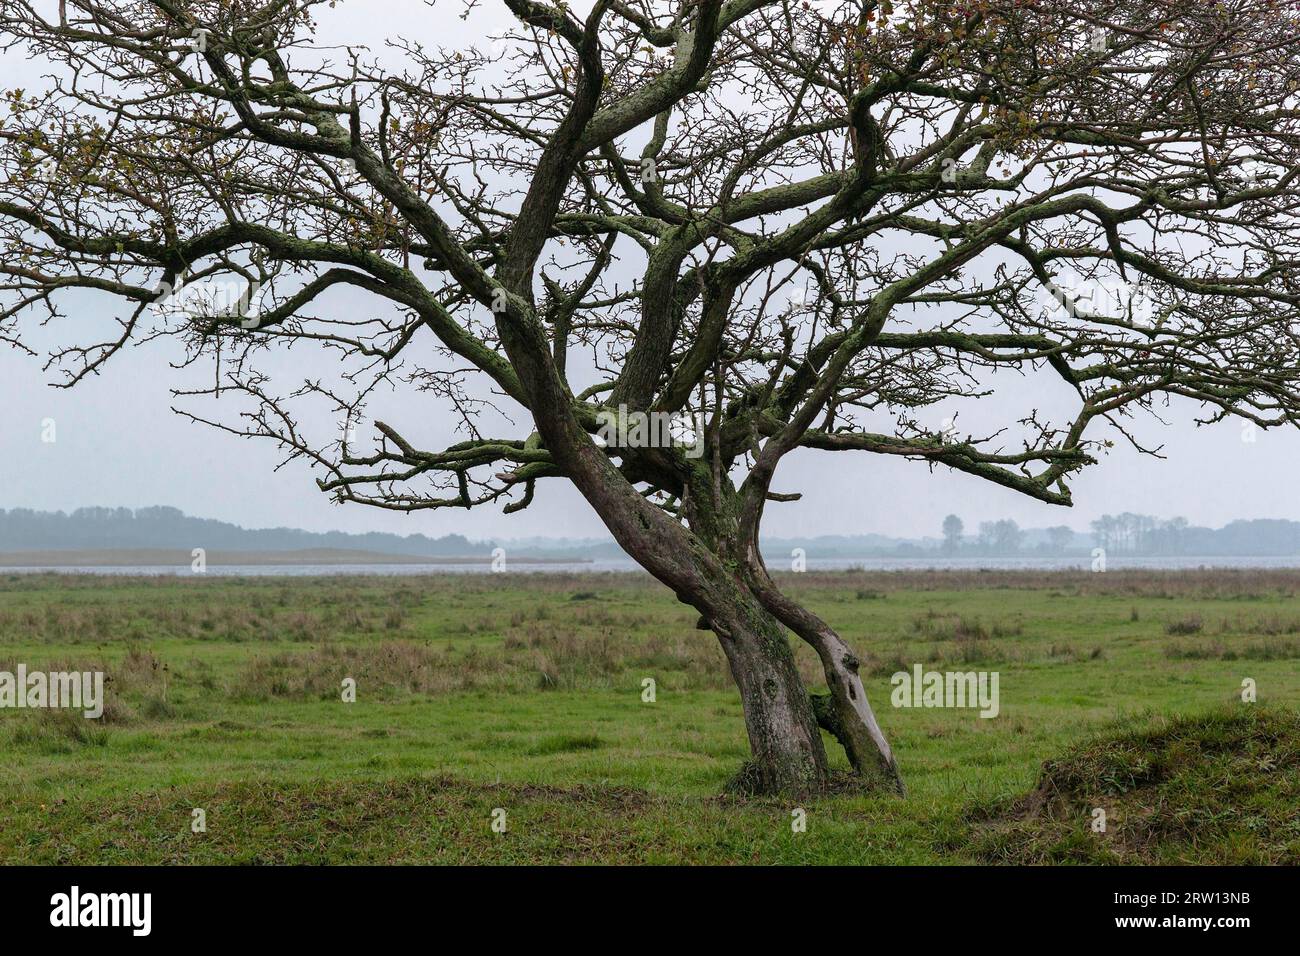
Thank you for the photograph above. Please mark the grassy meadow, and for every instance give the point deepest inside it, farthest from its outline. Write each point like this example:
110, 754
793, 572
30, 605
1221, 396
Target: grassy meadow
524, 693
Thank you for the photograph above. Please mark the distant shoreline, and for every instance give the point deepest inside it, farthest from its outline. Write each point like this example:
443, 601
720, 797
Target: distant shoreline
175, 557
344, 561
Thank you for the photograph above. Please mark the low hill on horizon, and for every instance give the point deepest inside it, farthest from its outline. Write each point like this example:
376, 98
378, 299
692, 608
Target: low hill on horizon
23, 529
181, 558
166, 528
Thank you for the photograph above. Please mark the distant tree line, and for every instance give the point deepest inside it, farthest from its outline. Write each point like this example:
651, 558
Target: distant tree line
1142, 534
1126, 533
1004, 537
22, 529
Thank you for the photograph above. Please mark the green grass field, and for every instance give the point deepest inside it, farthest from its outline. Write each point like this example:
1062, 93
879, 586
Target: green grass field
524, 693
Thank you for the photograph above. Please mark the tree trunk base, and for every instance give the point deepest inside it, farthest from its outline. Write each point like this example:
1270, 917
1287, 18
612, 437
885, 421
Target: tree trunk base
751, 781
879, 774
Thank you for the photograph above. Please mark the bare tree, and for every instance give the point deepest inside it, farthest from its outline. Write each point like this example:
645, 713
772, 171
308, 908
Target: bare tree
796, 225
1059, 538
952, 529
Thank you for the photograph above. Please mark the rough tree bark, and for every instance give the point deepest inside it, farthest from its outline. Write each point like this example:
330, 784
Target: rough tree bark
846, 714
786, 746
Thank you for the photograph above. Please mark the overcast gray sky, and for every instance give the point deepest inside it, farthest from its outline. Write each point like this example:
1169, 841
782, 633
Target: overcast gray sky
118, 444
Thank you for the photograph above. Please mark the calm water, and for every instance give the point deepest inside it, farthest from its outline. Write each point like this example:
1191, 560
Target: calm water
1114, 563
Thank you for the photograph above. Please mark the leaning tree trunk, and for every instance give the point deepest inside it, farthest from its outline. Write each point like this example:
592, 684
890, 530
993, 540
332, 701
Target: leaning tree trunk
845, 714
786, 745
787, 752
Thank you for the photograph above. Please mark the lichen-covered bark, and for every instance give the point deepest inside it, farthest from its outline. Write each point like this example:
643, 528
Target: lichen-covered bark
845, 713
788, 756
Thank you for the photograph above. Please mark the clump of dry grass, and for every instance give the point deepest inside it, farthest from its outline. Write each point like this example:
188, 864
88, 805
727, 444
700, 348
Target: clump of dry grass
1202, 583
187, 609
1272, 625
1190, 624
936, 626
71, 724
379, 670
591, 648
1218, 650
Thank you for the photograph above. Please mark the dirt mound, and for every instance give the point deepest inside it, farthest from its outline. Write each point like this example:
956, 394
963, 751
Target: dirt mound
1217, 788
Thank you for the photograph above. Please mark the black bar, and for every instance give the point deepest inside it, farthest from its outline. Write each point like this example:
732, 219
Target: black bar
211, 905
